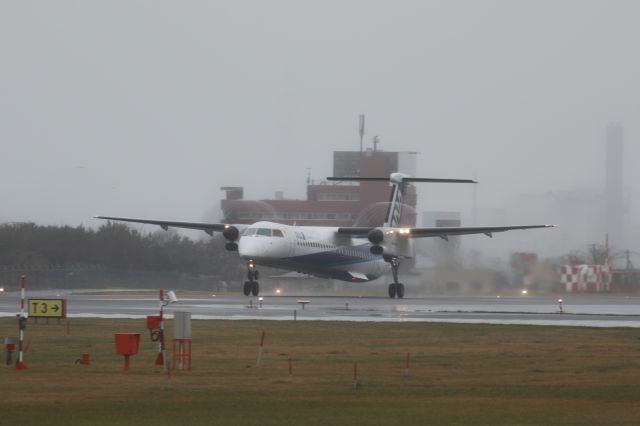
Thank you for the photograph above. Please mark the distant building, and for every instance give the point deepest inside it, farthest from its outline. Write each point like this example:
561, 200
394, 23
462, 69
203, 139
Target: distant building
440, 251
348, 163
577, 214
333, 204
583, 216
615, 208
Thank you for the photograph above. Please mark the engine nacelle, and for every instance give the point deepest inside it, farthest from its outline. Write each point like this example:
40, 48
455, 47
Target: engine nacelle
231, 233
389, 241
376, 236
377, 250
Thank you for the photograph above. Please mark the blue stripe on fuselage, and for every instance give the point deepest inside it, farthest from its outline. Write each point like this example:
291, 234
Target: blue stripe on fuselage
334, 258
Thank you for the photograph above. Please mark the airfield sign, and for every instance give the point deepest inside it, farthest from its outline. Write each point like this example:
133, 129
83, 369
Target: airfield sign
48, 308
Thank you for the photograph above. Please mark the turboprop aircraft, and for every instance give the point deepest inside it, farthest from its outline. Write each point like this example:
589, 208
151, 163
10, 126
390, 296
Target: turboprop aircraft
354, 254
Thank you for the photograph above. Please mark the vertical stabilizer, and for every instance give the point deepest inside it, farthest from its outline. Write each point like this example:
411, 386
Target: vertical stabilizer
394, 212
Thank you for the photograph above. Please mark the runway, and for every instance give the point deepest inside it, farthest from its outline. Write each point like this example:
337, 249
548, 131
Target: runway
577, 310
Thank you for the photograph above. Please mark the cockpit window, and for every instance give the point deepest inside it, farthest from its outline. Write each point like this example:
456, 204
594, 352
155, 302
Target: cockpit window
265, 232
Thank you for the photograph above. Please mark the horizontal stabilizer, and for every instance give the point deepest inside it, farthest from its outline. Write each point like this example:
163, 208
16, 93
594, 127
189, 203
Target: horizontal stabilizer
399, 184
405, 179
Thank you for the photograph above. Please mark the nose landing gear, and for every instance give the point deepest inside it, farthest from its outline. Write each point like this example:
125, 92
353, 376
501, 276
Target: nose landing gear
251, 287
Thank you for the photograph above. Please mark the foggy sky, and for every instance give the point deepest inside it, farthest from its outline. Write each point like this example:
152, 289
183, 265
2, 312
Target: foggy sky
145, 108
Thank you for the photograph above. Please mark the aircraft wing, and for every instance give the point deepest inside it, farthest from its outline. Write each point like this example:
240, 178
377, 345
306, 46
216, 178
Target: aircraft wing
440, 232
209, 228
452, 231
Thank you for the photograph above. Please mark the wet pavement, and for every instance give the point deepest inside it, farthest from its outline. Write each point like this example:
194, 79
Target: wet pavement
577, 310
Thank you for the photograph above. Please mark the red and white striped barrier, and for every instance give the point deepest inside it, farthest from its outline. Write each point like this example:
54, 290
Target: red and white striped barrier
585, 278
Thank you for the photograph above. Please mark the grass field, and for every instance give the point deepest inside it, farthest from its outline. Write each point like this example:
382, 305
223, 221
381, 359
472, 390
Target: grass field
459, 374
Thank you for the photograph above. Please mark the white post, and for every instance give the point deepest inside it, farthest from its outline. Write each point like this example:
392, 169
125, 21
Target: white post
161, 358
162, 345
21, 325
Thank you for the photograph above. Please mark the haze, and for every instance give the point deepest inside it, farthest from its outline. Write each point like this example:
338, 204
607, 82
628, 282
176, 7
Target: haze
145, 108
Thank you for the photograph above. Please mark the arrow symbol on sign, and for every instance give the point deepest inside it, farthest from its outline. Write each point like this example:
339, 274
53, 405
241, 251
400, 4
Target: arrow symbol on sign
56, 308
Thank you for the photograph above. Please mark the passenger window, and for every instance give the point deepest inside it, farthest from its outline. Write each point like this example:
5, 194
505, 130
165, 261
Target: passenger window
277, 233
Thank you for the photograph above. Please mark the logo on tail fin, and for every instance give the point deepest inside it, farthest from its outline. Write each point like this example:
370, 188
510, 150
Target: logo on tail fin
395, 206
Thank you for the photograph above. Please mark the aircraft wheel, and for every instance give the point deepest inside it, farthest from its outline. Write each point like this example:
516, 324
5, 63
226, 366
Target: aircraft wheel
256, 275
400, 290
247, 288
255, 288
392, 290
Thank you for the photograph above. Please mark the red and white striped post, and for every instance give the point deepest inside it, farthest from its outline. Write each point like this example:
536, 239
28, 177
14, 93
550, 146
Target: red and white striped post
22, 324
160, 359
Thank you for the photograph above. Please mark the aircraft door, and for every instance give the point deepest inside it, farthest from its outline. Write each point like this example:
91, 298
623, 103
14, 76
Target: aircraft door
290, 239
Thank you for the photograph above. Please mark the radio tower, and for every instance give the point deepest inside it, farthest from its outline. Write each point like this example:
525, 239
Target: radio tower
361, 130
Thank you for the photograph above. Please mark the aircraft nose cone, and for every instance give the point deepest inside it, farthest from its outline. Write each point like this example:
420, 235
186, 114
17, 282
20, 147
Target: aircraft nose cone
250, 248
262, 247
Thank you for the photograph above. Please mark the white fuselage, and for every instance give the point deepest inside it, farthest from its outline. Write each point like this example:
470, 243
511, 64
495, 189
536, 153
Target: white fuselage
311, 250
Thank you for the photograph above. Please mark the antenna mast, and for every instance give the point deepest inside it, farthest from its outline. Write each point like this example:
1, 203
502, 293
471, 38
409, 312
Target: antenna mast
361, 130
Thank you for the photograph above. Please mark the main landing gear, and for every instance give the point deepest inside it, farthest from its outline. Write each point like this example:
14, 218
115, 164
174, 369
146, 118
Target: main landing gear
251, 287
395, 288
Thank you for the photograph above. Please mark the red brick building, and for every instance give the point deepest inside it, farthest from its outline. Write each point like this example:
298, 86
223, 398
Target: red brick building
333, 203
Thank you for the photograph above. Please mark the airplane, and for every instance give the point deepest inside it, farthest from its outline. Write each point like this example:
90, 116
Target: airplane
354, 254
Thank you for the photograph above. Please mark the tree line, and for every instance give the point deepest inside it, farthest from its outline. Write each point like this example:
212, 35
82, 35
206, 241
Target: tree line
114, 246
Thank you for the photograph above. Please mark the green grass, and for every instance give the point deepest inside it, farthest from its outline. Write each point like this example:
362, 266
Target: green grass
459, 374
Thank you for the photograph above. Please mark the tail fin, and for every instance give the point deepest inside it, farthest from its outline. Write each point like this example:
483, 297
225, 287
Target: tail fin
394, 212
399, 184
